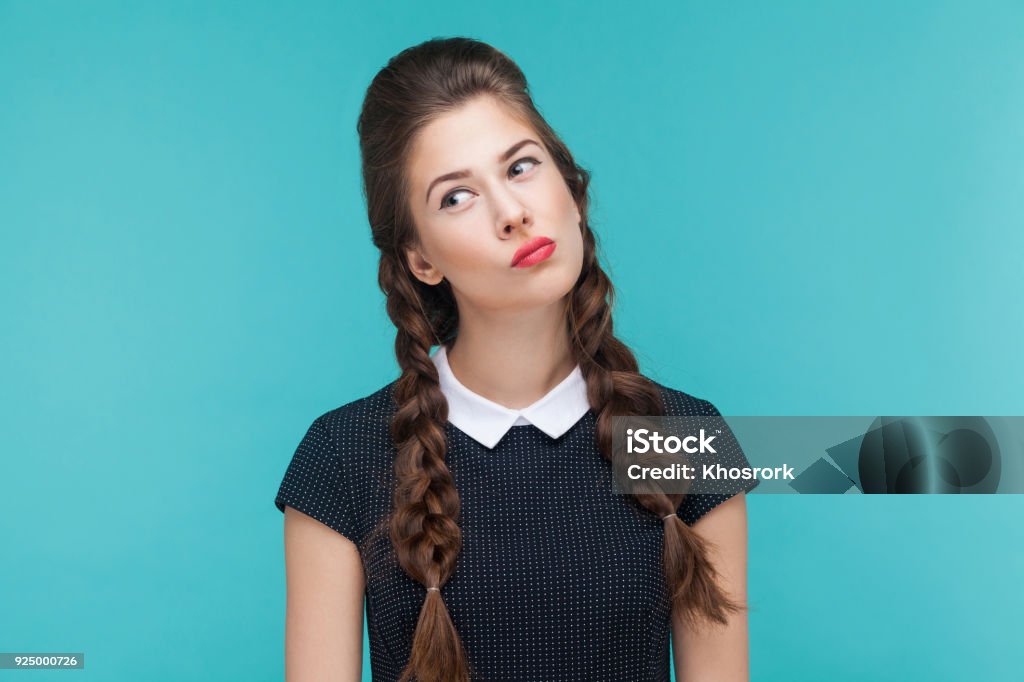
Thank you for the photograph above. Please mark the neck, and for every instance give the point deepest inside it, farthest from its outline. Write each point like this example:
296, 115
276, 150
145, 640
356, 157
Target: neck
512, 359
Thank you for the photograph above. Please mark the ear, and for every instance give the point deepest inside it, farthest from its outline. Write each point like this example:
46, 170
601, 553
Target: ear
422, 268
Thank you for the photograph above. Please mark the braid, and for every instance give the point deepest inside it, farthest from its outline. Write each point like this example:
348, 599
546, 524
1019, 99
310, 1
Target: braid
424, 525
616, 388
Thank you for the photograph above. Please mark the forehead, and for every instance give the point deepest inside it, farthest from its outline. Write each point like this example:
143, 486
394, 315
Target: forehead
469, 137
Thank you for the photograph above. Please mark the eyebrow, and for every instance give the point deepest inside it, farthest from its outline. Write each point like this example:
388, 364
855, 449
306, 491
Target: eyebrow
456, 175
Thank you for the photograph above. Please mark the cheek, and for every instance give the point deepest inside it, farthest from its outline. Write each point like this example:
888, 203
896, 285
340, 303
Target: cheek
559, 198
464, 257
452, 244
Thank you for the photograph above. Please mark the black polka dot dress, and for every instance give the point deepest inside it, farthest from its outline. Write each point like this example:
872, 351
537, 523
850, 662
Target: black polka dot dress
558, 578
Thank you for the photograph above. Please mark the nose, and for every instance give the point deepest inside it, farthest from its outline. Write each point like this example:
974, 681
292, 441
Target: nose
511, 213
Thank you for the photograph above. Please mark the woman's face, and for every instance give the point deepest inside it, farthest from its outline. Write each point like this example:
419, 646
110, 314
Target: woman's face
507, 193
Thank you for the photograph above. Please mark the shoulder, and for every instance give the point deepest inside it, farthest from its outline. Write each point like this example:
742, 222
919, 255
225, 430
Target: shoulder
335, 466
682, 404
708, 494
365, 418
332, 474
356, 434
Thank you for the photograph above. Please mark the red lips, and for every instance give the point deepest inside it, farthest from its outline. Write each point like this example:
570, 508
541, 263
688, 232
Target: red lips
529, 248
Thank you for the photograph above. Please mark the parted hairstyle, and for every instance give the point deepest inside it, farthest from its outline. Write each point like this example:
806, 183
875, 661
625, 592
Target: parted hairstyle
416, 86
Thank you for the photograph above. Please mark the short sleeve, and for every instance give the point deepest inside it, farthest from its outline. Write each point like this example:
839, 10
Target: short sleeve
315, 484
729, 454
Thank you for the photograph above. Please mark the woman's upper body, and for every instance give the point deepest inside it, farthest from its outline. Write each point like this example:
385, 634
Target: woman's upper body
491, 547
558, 578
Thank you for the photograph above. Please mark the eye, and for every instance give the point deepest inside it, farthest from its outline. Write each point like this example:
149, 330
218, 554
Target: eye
525, 159
446, 197
445, 200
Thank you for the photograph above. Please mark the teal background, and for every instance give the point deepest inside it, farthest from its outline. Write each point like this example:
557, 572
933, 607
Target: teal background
807, 208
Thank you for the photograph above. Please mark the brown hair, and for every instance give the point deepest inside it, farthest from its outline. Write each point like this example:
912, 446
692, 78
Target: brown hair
416, 86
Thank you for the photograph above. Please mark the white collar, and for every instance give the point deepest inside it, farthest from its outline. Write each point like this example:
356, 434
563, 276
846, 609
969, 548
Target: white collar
487, 422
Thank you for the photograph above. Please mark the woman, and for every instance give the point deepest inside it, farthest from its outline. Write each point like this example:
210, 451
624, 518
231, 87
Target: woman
470, 500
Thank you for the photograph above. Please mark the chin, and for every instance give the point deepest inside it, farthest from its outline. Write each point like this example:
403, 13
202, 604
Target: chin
548, 287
